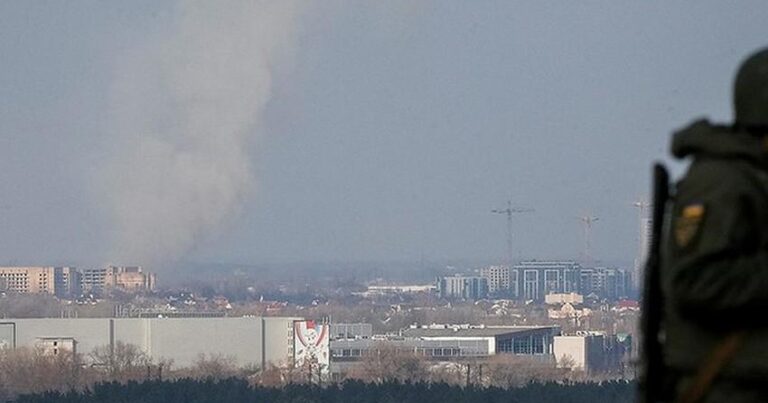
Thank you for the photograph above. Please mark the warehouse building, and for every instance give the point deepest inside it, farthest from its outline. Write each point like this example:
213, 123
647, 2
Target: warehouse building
450, 342
519, 340
441, 343
250, 341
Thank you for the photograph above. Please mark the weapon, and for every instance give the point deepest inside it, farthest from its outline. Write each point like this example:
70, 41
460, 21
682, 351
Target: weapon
652, 377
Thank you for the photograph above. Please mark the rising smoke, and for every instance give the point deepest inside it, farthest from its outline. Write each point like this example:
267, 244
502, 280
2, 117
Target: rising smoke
187, 105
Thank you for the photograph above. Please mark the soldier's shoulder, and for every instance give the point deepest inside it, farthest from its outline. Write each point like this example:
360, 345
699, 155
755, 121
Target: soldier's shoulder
717, 176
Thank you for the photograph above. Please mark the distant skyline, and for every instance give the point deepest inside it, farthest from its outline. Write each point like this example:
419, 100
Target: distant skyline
349, 131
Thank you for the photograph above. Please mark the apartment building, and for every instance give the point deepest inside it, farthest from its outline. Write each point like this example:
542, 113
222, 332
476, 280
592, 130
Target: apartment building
28, 280
497, 277
128, 278
461, 287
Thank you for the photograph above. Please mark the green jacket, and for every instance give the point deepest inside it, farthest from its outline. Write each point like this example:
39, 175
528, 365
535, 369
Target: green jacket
715, 251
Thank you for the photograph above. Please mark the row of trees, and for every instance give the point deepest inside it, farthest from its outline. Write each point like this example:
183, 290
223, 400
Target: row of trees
238, 390
37, 370
24, 371
504, 370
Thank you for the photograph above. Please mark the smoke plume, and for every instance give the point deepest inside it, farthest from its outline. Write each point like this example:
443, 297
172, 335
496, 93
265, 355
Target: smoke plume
187, 105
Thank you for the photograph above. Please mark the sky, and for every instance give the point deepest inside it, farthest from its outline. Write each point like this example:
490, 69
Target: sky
153, 133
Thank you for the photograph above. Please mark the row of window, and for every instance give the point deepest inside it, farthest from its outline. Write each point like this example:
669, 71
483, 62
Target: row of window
522, 345
427, 352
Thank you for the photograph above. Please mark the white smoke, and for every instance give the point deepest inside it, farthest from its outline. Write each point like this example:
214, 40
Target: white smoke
186, 108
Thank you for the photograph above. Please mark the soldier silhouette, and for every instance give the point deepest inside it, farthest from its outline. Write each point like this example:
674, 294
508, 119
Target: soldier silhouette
713, 273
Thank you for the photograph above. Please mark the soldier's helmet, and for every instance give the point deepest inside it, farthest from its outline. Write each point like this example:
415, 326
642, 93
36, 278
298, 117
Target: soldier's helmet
751, 91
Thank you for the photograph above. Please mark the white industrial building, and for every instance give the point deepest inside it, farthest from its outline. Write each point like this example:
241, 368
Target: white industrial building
248, 340
592, 352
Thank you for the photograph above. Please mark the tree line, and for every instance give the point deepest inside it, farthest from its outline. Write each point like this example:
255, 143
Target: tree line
239, 390
38, 372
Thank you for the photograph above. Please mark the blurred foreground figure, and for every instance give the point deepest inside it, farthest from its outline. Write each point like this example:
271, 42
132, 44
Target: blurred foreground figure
713, 272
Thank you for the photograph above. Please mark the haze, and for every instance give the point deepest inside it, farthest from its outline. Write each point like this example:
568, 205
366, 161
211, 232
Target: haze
361, 130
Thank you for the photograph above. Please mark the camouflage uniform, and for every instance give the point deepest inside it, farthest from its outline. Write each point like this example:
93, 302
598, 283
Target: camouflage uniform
715, 255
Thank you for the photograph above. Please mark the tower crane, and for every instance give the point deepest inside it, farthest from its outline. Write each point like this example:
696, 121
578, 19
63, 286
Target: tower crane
509, 211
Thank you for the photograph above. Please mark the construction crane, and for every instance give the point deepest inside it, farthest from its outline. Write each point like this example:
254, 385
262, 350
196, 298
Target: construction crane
587, 221
642, 207
509, 211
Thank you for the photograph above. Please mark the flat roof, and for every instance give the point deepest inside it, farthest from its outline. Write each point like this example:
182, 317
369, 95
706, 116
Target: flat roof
472, 332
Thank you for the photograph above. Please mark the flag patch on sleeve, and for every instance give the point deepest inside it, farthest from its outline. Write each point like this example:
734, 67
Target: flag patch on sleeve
688, 224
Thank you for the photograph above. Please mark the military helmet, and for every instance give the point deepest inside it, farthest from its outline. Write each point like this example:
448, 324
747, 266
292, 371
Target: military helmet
750, 94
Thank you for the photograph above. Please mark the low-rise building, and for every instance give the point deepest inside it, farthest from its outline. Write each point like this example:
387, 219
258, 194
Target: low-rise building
448, 343
390, 290
56, 345
351, 331
519, 340
568, 311
559, 299
592, 352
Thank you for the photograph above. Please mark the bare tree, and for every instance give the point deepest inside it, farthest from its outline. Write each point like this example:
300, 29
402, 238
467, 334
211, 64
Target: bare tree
214, 366
272, 376
32, 370
385, 362
507, 370
122, 361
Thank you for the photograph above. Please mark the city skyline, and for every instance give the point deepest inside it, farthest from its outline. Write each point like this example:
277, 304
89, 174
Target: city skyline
379, 134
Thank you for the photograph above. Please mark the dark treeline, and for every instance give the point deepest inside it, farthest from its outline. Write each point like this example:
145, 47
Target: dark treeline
238, 390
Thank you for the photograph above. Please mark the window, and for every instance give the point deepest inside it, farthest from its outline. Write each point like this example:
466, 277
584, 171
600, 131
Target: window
522, 345
504, 346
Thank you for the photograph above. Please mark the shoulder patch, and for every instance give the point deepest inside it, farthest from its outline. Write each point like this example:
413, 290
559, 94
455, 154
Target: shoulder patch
688, 223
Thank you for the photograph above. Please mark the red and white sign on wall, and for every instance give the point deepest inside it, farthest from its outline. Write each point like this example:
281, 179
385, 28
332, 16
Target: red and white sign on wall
311, 344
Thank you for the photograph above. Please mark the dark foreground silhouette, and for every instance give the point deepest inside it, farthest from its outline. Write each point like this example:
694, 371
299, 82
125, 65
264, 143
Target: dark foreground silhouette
238, 390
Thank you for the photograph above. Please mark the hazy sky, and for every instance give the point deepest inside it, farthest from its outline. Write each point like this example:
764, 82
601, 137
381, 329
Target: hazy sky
380, 130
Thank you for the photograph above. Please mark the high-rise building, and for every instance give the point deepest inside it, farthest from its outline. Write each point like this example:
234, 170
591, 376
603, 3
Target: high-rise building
473, 288
60, 281
533, 280
128, 278
28, 280
498, 278
605, 282
644, 242
66, 282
